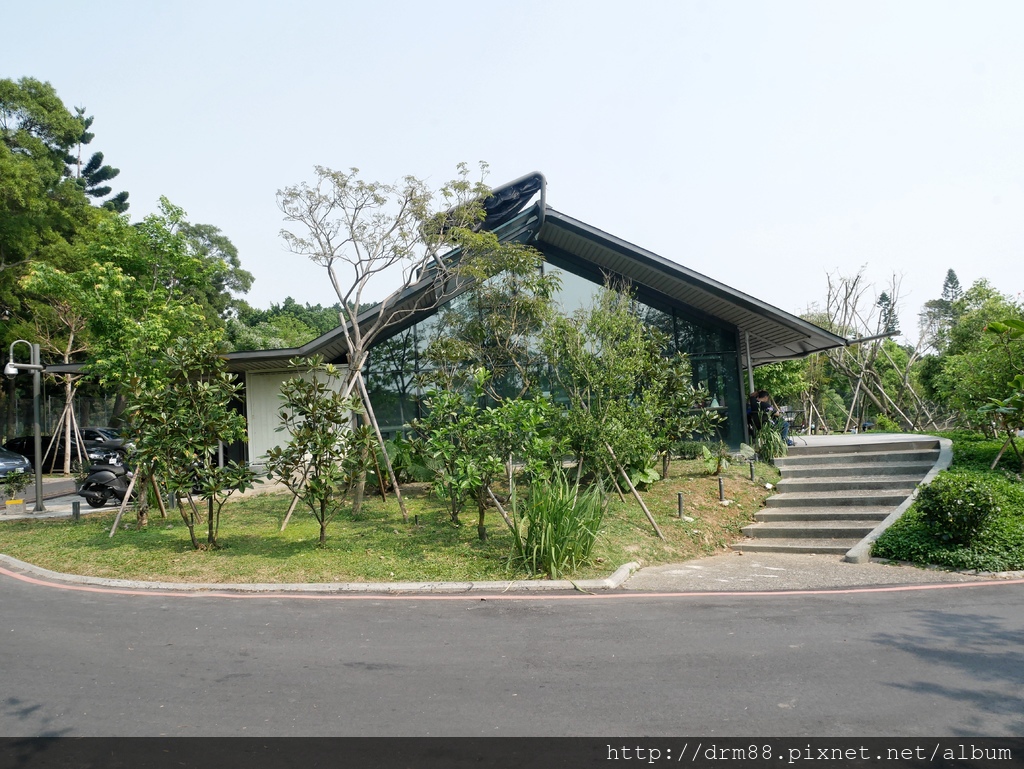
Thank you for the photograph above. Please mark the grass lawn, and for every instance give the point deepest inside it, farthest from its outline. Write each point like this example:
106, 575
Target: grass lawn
378, 546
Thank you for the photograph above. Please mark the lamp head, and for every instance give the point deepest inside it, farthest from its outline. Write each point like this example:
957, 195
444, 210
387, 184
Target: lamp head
10, 370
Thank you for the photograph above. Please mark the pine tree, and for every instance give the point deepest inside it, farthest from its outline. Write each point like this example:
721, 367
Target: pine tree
890, 322
951, 290
92, 176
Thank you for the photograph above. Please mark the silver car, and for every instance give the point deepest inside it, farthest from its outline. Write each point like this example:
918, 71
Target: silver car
13, 463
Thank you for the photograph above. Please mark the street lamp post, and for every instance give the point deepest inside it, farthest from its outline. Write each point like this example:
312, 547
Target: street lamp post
12, 369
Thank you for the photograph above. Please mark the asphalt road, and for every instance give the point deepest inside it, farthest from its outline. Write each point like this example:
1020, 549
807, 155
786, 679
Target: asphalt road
84, 662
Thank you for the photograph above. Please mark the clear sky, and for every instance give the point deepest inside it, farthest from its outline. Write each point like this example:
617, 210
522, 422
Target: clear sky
762, 144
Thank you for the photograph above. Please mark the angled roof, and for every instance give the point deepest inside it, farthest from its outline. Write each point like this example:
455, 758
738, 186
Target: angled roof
773, 334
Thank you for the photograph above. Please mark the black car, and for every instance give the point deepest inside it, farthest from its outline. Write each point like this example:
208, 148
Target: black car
92, 451
109, 436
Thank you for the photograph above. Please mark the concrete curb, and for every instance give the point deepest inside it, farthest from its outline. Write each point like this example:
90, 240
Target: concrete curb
385, 588
861, 552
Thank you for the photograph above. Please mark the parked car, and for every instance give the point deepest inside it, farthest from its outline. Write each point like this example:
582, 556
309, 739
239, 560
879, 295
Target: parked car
93, 451
10, 462
108, 435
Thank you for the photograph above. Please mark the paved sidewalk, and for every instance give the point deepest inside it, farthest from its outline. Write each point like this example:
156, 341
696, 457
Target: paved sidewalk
756, 572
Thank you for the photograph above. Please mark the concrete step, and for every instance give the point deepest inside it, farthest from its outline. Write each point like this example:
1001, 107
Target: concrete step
851, 513
843, 484
896, 456
812, 546
863, 448
916, 469
855, 530
830, 499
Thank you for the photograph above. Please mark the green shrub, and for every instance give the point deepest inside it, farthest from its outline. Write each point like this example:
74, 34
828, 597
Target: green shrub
716, 460
886, 425
769, 443
690, 449
1000, 547
556, 529
957, 506
996, 545
14, 483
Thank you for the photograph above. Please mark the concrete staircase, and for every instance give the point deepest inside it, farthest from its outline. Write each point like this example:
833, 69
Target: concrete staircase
831, 496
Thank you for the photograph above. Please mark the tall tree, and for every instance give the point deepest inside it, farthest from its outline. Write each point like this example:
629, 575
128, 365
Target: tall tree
41, 211
92, 175
44, 215
225, 274
888, 320
369, 234
951, 290
939, 315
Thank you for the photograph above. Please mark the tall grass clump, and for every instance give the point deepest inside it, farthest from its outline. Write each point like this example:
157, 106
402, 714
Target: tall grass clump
555, 529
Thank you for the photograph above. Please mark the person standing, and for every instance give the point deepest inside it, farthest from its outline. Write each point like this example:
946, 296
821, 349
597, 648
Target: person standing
764, 411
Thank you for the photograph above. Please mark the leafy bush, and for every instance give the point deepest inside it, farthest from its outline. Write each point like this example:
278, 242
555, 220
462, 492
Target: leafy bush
716, 460
14, 483
997, 546
769, 443
886, 425
690, 449
973, 451
467, 446
406, 456
957, 506
556, 529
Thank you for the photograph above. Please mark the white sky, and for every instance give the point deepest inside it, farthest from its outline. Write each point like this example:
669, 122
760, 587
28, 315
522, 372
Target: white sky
762, 144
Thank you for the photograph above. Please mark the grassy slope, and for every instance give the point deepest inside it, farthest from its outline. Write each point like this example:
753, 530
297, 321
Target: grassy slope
379, 546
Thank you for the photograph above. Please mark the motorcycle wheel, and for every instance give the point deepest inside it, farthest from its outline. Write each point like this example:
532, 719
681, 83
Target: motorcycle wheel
96, 501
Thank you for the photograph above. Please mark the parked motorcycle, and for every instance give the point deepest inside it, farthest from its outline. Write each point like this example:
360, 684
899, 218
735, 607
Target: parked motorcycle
105, 481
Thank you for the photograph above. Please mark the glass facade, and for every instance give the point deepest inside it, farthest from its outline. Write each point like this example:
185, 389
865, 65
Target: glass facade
395, 366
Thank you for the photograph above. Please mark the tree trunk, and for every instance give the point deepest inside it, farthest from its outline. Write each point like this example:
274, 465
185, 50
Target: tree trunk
380, 442
481, 503
190, 523
211, 527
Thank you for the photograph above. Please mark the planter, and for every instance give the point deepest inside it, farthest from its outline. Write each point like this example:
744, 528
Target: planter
14, 507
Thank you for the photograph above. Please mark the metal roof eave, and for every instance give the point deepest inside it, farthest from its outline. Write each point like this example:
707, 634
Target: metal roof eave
777, 335
332, 345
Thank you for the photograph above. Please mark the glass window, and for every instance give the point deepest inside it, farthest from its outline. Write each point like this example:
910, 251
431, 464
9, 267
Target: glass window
394, 365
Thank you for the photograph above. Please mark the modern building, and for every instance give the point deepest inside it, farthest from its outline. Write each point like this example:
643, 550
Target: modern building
725, 332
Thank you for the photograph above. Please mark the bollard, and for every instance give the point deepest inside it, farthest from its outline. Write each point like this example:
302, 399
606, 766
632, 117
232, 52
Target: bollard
721, 490
680, 494
751, 469
76, 511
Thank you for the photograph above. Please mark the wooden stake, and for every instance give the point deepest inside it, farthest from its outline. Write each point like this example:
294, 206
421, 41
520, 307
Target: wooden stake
380, 440
611, 477
124, 504
294, 502
501, 509
635, 492
159, 496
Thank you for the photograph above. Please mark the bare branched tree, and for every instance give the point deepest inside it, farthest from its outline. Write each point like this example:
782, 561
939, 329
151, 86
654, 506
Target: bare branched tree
370, 235
854, 310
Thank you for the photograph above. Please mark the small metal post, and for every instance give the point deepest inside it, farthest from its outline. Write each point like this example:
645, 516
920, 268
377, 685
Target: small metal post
680, 495
721, 490
751, 469
76, 511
